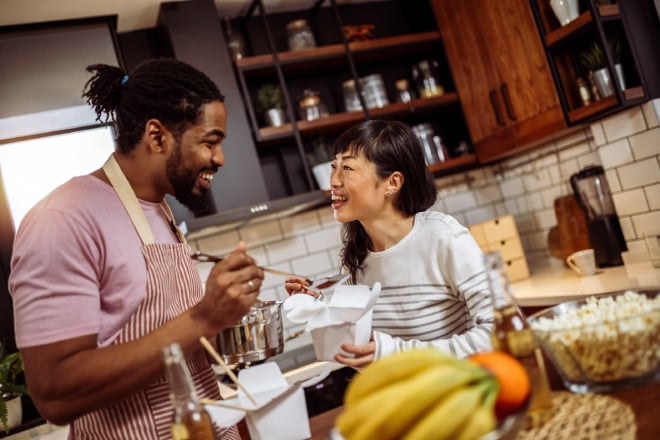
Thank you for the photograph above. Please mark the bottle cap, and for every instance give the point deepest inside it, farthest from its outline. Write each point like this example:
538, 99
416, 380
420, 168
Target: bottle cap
401, 84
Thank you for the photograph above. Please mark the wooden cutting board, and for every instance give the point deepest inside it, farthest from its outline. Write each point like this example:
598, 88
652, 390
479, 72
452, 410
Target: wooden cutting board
570, 234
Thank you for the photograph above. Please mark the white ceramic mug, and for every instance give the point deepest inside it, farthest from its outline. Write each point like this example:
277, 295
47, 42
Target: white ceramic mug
583, 262
652, 239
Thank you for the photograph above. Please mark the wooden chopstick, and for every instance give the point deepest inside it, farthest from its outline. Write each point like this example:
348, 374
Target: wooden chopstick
201, 256
222, 404
207, 345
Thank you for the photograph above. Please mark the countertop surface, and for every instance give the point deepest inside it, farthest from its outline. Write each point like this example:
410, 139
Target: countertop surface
551, 284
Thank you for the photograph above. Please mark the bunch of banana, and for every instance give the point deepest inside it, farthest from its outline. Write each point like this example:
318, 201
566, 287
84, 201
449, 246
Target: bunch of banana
419, 394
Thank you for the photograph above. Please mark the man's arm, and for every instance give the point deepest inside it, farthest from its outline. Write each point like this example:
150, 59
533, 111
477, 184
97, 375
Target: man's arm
72, 377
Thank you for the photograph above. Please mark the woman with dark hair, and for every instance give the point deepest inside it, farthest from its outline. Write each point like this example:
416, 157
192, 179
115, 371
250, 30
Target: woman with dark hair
434, 287
101, 278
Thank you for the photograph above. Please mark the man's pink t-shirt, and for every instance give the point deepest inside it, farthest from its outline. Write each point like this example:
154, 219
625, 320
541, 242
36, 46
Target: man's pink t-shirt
77, 267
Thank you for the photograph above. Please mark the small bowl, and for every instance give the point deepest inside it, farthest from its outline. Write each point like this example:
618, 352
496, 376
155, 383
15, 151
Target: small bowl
602, 355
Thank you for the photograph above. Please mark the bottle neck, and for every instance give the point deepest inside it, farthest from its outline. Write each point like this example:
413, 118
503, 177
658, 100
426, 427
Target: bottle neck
500, 289
182, 390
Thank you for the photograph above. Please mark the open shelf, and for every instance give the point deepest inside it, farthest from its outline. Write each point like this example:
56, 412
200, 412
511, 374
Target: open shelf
338, 121
453, 164
365, 51
567, 31
586, 111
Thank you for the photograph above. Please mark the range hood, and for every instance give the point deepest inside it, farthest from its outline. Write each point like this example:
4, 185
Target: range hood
233, 218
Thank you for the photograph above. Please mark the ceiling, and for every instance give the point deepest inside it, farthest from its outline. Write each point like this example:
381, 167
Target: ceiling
132, 14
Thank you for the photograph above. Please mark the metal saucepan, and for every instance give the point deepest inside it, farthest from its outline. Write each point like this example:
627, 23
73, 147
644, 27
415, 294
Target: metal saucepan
256, 337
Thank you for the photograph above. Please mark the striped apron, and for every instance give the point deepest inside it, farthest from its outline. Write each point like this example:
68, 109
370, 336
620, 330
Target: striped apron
173, 286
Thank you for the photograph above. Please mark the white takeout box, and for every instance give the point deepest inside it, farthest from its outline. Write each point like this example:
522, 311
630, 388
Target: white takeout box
280, 413
345, 318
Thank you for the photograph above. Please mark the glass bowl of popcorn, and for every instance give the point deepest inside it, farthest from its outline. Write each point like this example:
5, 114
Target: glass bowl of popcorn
605, 342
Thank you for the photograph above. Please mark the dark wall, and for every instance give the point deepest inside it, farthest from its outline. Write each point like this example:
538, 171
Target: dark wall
194, 33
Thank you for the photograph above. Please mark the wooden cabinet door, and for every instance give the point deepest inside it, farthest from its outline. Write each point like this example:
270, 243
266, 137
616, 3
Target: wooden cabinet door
501, 74
526, 88
475, 77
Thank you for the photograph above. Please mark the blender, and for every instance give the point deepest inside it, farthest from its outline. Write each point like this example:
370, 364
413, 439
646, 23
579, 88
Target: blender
593, 195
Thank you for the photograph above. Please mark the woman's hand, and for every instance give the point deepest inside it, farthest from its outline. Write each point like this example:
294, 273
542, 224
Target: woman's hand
363, 355
299, 285
295, 285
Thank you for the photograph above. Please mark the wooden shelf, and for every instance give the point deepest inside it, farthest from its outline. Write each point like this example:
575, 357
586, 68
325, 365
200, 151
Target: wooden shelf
387, 46
453, 164
608, 10
589, 110
338, 121
568, 30
634, 93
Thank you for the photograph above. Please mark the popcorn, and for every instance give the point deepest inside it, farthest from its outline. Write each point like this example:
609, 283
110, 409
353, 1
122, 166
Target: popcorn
605, 339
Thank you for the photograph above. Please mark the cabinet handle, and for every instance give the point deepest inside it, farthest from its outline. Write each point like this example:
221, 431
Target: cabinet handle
496, 109
504, 89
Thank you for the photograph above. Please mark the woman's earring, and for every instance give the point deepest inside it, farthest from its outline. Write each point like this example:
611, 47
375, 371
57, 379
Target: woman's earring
388, 195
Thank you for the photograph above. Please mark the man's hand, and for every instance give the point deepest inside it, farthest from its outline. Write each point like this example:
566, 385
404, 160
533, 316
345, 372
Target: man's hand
231, 288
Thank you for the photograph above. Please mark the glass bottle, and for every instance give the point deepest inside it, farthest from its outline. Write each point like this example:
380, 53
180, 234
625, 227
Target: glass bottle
234, 41
191, 421
513, 334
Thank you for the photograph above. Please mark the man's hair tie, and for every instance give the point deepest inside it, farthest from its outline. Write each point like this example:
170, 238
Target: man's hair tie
124, 79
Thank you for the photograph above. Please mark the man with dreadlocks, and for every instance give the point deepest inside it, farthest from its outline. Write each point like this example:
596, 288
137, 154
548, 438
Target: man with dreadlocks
102, 281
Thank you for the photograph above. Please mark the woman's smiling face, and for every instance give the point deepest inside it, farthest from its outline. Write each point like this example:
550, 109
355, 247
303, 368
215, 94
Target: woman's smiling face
357, 191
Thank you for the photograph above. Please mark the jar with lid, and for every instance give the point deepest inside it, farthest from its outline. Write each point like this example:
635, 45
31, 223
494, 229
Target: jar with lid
373, 88
431, 143
351, 99
234, 40
300, 35
403, 91
311, 106
425, 75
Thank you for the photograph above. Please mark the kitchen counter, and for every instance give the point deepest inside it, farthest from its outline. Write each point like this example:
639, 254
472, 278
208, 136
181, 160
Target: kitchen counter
549, 284
552, 284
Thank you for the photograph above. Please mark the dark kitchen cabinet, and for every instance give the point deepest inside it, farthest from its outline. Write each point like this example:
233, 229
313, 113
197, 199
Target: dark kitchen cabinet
611, 47
404, 33
501, 73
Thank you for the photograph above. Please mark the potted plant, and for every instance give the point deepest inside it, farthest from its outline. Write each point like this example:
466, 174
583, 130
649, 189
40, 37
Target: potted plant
593, 59
320, 159
270, 102
11, 390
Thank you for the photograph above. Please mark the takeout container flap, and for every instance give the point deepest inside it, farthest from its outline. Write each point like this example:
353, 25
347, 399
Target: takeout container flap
281, 411
345, 318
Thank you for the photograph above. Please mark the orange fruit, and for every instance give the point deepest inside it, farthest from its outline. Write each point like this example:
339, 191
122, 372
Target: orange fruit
512, 377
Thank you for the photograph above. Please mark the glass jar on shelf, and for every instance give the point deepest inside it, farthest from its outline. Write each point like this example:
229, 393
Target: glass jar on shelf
431, 143
235, 41
351, 97
403, 91
373, 88
427, 79
311, 106
300, 35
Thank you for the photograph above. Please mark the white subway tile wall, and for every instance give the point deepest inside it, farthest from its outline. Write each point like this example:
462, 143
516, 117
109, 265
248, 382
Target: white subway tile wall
627, 145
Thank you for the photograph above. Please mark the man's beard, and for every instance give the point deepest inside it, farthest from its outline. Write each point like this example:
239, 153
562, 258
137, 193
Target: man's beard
183, 182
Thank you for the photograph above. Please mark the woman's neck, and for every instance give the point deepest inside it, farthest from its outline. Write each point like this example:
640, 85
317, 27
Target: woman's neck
386, 232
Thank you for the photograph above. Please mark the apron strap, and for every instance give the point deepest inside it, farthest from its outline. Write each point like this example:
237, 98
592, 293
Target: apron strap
128, 198
168, 213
